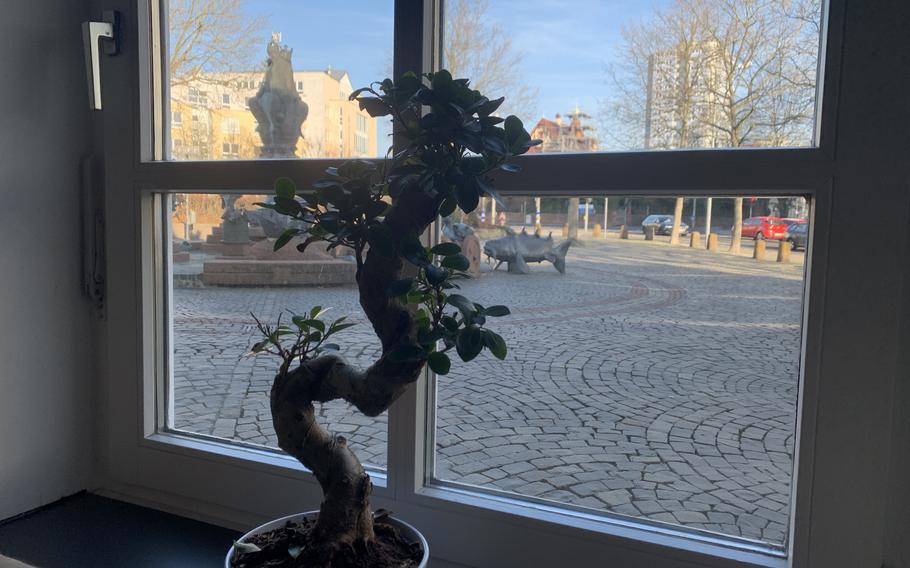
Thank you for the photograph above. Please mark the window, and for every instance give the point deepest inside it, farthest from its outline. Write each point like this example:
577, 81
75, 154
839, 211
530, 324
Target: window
661, 387
212, 274
230, 149
420, 470
238, 51
177, 118
230, 126
197, 96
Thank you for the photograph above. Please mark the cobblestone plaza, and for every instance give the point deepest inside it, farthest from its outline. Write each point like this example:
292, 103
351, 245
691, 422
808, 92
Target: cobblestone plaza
650, 380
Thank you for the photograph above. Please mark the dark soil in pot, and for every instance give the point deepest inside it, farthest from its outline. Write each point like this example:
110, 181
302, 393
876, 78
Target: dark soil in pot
291, 546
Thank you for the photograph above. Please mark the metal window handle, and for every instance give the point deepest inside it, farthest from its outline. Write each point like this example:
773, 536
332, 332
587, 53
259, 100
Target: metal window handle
93, 35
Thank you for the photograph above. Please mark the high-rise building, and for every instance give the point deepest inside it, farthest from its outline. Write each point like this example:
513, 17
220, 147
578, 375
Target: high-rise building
682, 101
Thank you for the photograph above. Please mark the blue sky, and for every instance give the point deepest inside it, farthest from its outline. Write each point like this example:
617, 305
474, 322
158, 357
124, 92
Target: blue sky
566, 43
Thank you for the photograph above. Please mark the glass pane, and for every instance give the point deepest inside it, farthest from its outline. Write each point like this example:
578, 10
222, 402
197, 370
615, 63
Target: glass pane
630, 75
224, 272
653, 379
237, 91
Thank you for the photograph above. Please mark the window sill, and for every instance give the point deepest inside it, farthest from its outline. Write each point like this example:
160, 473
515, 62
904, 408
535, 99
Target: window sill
247, 457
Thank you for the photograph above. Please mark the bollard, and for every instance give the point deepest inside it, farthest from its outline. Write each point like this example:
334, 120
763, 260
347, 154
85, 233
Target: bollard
598, 233
623, 232
759, 252
565, 230
695, 240
712, 242
649, 232
783, 252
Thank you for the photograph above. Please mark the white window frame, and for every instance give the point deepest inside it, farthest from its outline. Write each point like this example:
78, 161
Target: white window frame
836, 501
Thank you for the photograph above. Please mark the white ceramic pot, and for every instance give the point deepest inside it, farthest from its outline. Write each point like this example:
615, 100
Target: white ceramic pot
408, 532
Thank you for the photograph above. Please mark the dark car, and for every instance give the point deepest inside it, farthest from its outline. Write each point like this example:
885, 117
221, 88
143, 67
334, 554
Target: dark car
797, 235
663, 225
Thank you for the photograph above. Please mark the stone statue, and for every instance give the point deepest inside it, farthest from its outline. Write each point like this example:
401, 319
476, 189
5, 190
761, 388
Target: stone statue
235, 227
277, 107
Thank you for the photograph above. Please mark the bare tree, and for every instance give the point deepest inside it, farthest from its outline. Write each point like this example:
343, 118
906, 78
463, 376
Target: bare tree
210, 38
717, 73
677, 219
572, 218
737, 237
477, 48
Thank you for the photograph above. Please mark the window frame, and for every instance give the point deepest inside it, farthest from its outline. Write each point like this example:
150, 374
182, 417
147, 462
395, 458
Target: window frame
240, 487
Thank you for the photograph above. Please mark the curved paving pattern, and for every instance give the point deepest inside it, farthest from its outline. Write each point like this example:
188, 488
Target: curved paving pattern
648, 381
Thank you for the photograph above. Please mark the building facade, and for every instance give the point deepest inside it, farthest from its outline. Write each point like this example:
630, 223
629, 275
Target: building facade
211, 120
563, 136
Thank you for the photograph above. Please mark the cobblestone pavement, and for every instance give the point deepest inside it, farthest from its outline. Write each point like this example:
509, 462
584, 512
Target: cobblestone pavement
650, 380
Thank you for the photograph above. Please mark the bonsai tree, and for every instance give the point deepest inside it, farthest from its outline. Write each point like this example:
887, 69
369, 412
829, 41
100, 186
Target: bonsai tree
452, 144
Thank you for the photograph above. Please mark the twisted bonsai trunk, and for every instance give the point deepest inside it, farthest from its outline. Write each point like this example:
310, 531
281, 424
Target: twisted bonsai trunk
344, 517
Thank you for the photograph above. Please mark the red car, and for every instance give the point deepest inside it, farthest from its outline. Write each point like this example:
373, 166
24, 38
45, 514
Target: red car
759, 228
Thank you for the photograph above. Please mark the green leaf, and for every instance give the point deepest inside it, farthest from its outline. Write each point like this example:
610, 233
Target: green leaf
448, 207
407, 352
340, 327
469, 343
400, 287
489, 107
316, 324
300, 322
374, 106
439, 363
467, 196
495, 343
435, 274
456, 262
446, 249
464, 305
285, 238
449, 323
246, 547
285, 187
316, 312
414, 252
514, 128
287, 205
496, 311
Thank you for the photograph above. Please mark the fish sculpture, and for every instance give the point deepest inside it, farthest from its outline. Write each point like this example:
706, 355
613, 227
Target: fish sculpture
518, 249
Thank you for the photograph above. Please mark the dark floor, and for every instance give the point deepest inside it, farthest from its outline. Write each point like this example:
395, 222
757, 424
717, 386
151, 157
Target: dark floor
90, 531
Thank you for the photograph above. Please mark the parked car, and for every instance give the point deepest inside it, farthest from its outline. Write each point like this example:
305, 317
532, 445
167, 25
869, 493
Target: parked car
663, 225
760, 228
797, 235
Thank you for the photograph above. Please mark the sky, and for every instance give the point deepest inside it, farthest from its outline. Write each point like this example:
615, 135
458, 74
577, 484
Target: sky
566, 43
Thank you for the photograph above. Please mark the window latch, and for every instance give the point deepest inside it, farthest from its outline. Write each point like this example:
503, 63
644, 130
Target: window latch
95, 37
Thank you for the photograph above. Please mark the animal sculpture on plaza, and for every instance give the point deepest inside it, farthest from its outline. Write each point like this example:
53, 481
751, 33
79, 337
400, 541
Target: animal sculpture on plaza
518, 249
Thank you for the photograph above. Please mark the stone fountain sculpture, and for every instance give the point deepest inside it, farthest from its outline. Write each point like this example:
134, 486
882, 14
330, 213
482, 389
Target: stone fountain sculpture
277, 107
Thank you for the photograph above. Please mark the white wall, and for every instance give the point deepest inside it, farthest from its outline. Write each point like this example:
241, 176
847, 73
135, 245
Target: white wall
45, 324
